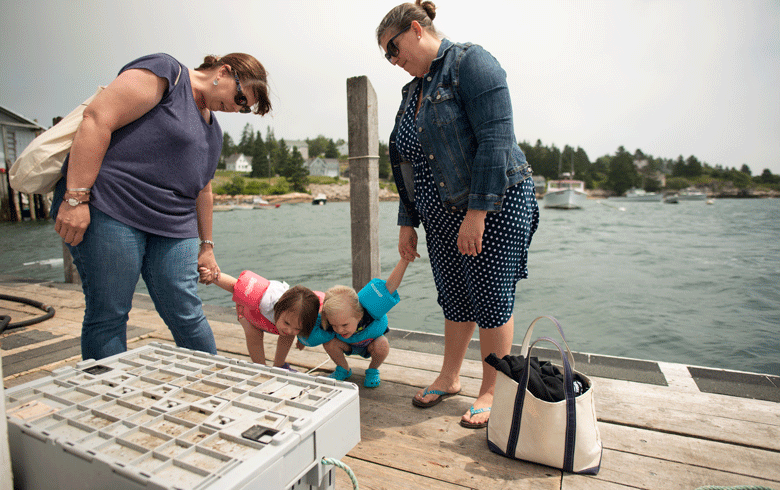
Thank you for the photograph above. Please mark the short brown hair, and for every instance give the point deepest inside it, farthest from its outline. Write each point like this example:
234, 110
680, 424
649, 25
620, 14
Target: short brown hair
303, 301
250, 71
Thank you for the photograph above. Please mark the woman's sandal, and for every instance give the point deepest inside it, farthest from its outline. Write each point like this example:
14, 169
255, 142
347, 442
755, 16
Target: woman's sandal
341, 374
372, 378
441, 396
472, 412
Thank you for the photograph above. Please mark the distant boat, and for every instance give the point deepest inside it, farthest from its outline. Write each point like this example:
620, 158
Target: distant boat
260, 203
672, 199
691, 195
638, 195
320, 200
222, 207
242, 207
565, 194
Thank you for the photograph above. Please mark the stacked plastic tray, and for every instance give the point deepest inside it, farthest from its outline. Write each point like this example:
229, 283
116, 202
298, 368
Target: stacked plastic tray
161, 417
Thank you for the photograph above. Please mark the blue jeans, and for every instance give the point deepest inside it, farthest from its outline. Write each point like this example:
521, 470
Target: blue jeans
110, 260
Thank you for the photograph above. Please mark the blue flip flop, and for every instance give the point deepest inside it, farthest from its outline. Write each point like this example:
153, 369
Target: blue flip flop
372, 378
435, 401
472, 412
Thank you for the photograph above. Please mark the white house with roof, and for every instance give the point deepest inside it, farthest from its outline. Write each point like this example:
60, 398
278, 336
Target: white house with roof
327, 167
238, 162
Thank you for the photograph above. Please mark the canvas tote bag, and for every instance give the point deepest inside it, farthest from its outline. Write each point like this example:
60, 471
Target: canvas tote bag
560, 434
38, 168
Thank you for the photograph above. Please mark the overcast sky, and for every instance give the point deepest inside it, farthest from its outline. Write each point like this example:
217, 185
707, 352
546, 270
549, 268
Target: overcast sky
669, 77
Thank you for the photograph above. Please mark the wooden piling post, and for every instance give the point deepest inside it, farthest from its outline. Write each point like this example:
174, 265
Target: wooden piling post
71, 273
363, 138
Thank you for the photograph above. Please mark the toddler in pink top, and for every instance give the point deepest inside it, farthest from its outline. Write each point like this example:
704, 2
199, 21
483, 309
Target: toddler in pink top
270, 306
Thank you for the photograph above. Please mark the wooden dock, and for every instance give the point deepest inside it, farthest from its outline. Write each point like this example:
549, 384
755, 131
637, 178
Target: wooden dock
664, 426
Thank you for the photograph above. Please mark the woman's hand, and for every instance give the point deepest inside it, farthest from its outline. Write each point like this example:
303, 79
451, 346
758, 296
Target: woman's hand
206, 260
471, 230
72, 222
407, 243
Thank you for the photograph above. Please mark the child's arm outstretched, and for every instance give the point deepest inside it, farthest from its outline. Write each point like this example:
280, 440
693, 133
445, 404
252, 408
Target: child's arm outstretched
396, 276
225, 281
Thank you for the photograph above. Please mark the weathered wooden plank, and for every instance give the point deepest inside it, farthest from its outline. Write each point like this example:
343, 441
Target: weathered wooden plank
639, 471
683, 413
691, 451
372, 476
432, 443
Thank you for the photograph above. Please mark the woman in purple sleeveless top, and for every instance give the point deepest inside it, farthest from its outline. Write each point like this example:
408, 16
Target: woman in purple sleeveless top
135, 198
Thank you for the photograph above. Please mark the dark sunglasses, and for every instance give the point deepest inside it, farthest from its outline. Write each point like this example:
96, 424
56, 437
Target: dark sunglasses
392, 49
241, 99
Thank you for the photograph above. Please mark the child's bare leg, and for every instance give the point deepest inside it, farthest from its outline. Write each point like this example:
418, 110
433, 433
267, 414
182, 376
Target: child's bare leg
254, 341
283, 345
379, 349
336, 349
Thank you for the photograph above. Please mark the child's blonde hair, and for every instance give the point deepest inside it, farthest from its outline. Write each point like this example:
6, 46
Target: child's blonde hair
339, 298
302, 301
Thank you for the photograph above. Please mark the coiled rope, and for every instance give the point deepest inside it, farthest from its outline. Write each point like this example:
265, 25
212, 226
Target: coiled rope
5, 320
337, 463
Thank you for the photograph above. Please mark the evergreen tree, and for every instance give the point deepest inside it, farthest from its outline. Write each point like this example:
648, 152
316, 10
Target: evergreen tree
296, 173
622, 172
331, 151
385, 170
745, 169
259, 158
280, 158
271, 148
247, 140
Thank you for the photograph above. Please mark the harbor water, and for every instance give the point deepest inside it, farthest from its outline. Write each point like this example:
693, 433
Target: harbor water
689, 283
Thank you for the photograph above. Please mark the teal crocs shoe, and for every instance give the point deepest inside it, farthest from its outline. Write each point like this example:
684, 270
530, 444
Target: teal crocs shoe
372, 378
341, 374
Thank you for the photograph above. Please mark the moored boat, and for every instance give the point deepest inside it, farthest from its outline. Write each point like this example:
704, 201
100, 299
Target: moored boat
565, 194
638, 195
320, 200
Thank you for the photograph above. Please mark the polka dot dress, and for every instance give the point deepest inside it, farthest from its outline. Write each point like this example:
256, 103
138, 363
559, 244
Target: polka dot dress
480, 288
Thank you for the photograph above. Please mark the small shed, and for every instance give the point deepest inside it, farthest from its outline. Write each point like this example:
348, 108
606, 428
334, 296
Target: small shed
17, 132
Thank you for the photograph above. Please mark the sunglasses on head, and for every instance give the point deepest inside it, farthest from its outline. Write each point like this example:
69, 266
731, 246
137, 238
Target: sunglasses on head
240, 98
392, 50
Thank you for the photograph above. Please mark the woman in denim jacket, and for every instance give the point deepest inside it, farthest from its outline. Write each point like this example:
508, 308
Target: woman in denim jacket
460, 172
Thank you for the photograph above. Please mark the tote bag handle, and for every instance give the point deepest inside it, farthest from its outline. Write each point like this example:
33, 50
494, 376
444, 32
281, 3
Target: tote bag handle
530, 331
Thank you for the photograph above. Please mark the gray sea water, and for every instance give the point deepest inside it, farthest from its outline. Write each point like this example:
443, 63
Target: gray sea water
690, 283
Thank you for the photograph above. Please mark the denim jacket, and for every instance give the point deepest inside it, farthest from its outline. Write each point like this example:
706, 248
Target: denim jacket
466, 130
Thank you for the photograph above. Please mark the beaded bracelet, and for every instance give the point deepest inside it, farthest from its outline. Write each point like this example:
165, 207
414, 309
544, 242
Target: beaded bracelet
207, 241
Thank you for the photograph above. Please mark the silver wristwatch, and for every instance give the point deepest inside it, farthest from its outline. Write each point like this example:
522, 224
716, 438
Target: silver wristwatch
73, 201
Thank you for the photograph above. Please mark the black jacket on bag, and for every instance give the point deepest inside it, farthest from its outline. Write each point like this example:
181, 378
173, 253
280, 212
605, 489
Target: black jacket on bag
545, 381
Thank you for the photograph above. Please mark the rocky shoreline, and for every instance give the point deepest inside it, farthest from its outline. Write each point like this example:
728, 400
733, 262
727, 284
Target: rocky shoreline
334, 193
340, 193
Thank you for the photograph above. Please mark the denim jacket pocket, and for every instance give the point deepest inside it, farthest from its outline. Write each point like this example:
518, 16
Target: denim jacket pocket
445, 106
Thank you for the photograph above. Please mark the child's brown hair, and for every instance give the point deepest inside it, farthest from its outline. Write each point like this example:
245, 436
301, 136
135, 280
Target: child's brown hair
302, 300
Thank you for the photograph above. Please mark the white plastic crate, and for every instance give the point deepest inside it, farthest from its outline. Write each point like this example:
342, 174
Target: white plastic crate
162, 417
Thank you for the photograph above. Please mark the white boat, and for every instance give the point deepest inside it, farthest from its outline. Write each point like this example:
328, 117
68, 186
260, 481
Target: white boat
565, 194
320, 200
260, 203
638, 195
691, 195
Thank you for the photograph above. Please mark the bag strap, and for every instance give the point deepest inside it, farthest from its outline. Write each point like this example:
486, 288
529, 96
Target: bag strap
527, 339
571, 410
